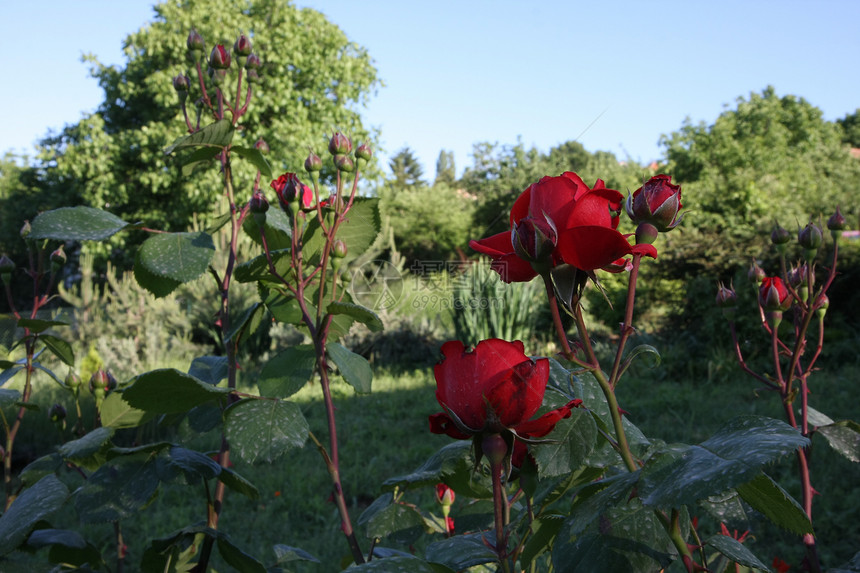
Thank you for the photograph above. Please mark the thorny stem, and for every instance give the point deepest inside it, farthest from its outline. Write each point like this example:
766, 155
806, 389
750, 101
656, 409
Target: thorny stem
16, 425
559, 327
500, 505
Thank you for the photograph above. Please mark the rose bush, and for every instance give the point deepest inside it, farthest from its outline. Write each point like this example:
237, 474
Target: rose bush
584, 221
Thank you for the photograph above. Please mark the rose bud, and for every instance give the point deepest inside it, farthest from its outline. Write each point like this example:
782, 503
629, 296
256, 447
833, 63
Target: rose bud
657, 202
289, 188
836, 224
534, 240
339, 144
194, 42
242, 46
25, 230
253, 62
58, 259
344, 163
780, 238
313, 163
810, 238
821, 306
444, 495
727, 300
6, 268
773, 295
261, 146
72, 380
756, 274
258, 205
219, 58
57, 413
181, 84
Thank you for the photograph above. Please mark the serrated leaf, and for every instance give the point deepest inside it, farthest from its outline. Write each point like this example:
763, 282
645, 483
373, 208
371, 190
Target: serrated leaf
354, 368
844, 437
35, 504
197, 158
117, 413
287, 372
169, 391
278, 229
817, 418
236, 558
358, 312
358, 231
238, 483
572, 441
118, 489
86, 446
256, 158
209, 369
463, 551
257, 269
36, 325
158, 286
39, 468
178, 256
265, 429
76, 224
682, 475
60, 348
452, 464
766, 496
735, 551
399, 522
218, 134
544, 530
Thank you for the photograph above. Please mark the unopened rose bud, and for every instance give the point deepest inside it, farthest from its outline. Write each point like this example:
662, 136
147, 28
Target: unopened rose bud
780, 238
102, 382
836, 224
219, 58
258, 205
810, 239
313, 163
534, 240
338, 249
25, 230
253, 77
217, 76
253, 62
344, 163
7, 265
242, 46
57, 413
72, 380
194, 42
773, 295
821, 306
727, 300
58, 259
181, 84
444, 495
657, 202
339, 144
261, 146
364, 152
756, 274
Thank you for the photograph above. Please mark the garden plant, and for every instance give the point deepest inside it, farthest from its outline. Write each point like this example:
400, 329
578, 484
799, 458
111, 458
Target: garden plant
545, 472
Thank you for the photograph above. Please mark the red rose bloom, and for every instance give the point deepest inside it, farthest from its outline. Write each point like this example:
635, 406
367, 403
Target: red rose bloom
289, 188
493, 388
773, 295
657, 202
584, 218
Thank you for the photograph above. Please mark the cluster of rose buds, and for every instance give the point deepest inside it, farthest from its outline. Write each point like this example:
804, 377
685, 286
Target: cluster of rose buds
219, 61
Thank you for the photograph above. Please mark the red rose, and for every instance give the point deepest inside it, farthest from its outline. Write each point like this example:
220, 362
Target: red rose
444, 494
657, 202
493, 388
585, 219
288, 187
773, 295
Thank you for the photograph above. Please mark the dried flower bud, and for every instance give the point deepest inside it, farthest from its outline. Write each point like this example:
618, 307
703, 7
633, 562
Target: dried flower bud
339, 144
195, 42
219, 58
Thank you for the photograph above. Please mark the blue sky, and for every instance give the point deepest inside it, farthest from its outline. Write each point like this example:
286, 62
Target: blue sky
615, 74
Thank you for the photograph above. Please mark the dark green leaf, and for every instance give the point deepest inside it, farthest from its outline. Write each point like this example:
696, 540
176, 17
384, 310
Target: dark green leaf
285, 554
736, 552
44, 537
238, 483
117, 413
8, 396
39, 468
86, 446
249, 322
288, 372
767, 497
209, 369
195, 465
67, 547
277, 228
682, 475
178, 256
36, 326
118, 489
572, 441
218, 134
544, 530
265, 429
255, 157
158, 286
463, 551
7, 375
397, 564
400, 522
452, 464
169, 391
60, 348
198, 158
76, 224
257, 269
283, 307
236, 558
358, 312
33, 505
844, 437
354, 368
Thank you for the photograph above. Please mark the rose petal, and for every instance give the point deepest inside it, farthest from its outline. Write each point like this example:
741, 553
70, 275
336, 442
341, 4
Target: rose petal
519, 393
589, 248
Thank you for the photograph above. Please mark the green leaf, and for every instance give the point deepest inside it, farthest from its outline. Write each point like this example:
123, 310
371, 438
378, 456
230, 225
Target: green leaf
178, 256
60, 348
158, 286
452, 464
265, 429
35, 504
236, 558
682, 475
197, 158
358, 231
278, 229
39, 468
767, 497
285, 554
400, 522
8, 396
844, 437
86, 446
76, 224
257, 269
209, 369
572, 441
249, 321
283, 307
735, 551
397, 564
36, 326
66, 547
288, 372
7, 374
218, 134
193, 464
256, 158
169, 391
817, 418
354, 368
118, 489
117, 413
238, 483
463, 551
358, 312
544, 531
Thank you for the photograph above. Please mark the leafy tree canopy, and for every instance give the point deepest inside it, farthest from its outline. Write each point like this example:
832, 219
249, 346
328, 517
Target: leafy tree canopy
406, 169
851, 126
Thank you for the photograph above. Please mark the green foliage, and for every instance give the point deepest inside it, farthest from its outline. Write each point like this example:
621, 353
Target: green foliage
406, 169
851, 128
446, 170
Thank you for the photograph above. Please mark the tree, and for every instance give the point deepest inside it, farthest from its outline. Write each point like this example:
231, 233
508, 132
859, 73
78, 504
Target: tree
446, 172
313, 82
851, 126
406, 169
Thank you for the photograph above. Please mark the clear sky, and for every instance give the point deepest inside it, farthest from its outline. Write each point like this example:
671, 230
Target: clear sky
614, 75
